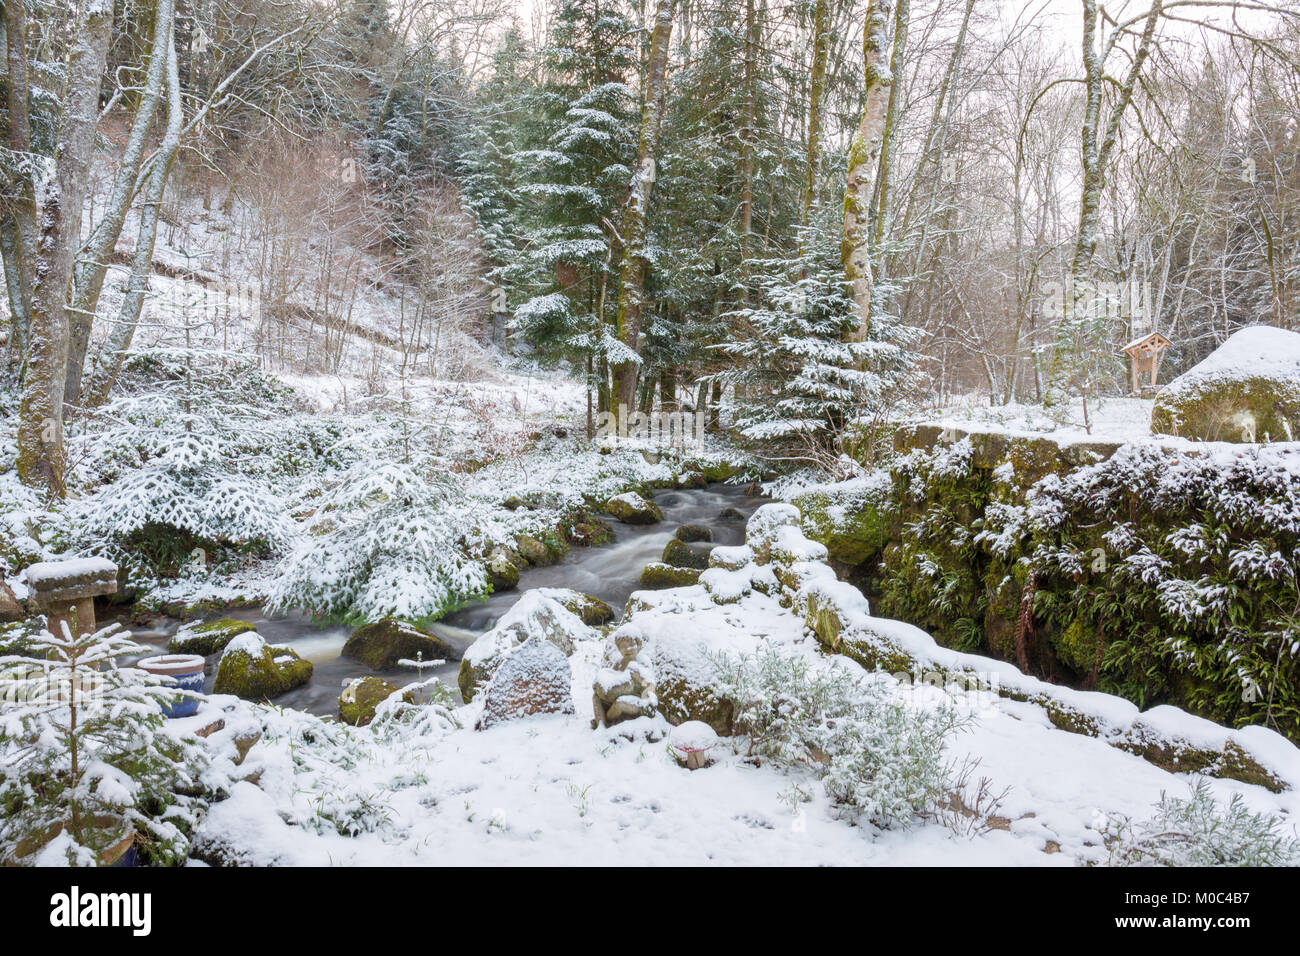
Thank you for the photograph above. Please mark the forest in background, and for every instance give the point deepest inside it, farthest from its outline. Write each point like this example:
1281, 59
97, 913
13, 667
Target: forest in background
806, 214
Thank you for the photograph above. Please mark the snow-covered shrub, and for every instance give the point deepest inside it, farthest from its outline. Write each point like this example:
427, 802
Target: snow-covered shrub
330, 778
880, 760
168, 479
85, 761
386, 541
1200, 831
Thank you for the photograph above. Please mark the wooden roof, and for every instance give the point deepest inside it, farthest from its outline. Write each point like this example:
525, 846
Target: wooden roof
1153, 342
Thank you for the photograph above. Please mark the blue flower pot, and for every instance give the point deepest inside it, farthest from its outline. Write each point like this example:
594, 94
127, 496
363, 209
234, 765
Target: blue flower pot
187, 671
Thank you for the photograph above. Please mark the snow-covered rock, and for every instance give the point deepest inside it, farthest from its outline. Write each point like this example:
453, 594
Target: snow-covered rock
1247, 390
255, 670
362, 697
631, 508
382, 644
537, 614
534, 680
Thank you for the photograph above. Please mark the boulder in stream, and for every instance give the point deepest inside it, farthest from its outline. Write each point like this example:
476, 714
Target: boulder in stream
255, 670
362, 697
657, 576
693, 532
631, 508
207, 637
502, 572
383, 643
537, 552
681, 555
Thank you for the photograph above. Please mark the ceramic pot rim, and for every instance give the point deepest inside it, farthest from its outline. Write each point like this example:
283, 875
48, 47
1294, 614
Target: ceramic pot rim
172, 664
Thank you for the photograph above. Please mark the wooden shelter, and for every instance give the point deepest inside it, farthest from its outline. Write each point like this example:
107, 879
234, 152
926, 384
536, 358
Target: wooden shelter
1145, 353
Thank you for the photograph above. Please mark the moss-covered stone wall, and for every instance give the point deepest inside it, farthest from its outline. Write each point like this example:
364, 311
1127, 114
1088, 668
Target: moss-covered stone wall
1157, 573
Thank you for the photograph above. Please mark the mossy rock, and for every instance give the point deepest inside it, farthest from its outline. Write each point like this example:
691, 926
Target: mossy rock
592, 610
11, 609
207, 638
589, 532
658, 576
719, 471
686, 687
632, 508
537, 552
470, 678
382, 644
362, 697
853, 531
731, 514
1236, 764
681, 555
1247, 390
693, 479
1246, 410
1079, 645
693, 532
254, 670
502, 572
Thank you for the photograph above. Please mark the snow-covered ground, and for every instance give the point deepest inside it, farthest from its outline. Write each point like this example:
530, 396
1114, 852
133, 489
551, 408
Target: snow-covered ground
553, 790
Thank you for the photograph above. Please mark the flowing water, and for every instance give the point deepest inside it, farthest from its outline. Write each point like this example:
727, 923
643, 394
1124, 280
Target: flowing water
610, 572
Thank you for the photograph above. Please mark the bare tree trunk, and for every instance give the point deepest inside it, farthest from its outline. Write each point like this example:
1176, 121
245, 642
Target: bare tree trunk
885, 180
41, 458
748, 140
90, 272
631, 293
816, 93
1098, 137
864, 158
121, 334
19, 211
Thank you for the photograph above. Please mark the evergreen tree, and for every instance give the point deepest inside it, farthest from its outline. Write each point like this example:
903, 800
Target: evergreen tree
576, 177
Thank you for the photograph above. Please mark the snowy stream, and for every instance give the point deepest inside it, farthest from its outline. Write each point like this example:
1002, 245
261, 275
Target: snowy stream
609, 572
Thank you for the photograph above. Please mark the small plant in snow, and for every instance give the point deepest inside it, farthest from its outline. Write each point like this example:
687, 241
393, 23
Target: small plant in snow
1199, 831
84, 760
878, 759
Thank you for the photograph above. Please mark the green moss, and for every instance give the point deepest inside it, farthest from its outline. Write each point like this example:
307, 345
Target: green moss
1238, 410
502, 571
468, 679
643, 512
657, 577
718, 471
589, 531
361, 697
1079, 645
270, 673
592, 610
693, 532
681, 555
207, 638
855, 534
381, 644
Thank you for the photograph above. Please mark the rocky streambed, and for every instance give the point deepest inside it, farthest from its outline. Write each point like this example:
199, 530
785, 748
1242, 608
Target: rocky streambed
609, 572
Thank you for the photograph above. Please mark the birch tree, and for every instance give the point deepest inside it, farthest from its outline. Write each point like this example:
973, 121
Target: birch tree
864, 160
631, 295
